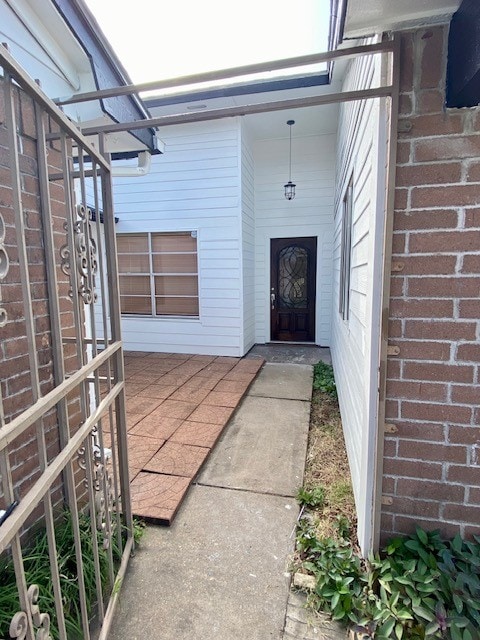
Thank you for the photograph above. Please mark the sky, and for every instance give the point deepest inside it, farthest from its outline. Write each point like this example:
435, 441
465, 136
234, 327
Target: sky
157, 39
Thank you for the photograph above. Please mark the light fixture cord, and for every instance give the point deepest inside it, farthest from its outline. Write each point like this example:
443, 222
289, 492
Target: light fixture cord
290, 168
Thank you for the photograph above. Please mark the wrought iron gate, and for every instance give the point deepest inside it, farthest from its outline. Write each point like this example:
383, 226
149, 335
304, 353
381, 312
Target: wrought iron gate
63, 445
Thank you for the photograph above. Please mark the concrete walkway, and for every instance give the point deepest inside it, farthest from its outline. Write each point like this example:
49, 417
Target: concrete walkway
220, 572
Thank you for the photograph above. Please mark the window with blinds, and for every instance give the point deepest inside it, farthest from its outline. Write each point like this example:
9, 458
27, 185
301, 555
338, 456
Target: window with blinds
158, 273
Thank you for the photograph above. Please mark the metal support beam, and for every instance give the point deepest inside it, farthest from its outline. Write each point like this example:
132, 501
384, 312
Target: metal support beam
212, 76
249, 109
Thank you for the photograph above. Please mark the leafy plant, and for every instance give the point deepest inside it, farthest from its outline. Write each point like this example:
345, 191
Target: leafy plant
314, 498
420, 587
337, 570
138, 530
343, 527
37, 571
324, 379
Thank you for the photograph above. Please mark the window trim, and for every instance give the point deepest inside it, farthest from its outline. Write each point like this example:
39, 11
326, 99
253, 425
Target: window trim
346, 252
152, 275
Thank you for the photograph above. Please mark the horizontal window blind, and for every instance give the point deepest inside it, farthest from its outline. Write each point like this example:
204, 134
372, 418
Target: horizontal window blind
158, 273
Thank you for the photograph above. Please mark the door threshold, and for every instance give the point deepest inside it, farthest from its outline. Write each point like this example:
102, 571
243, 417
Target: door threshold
307, 344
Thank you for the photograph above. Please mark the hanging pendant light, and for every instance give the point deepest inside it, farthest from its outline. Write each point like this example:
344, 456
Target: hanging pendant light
290, 187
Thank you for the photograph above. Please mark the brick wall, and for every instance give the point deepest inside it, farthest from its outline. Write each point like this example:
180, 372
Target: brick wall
432, 458
15, 378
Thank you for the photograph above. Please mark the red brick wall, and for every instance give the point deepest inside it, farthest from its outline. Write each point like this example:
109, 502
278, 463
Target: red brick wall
15, 378
432, 460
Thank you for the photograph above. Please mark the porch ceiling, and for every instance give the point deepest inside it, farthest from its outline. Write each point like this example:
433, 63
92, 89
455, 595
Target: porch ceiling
308, 121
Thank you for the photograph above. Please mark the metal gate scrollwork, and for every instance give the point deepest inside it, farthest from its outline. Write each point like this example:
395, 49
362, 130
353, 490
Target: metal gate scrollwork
85, 255
67, 357
102, 485
41, 621
4, 266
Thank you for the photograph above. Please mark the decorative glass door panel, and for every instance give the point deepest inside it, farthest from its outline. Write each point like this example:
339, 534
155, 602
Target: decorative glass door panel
292, 277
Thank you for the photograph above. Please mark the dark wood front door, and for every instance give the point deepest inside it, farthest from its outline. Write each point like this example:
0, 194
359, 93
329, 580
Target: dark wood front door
292, 289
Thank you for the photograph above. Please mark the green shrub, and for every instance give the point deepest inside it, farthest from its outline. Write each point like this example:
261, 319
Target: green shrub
420, 587
324, 380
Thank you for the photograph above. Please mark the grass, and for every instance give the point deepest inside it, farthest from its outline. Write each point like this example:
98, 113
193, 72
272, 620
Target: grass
327, 470
37, 571
327, 475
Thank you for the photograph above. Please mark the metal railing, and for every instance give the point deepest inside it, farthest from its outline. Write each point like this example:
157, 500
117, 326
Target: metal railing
63, 443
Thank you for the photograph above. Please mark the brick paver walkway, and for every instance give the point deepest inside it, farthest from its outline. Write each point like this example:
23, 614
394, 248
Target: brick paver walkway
177, 407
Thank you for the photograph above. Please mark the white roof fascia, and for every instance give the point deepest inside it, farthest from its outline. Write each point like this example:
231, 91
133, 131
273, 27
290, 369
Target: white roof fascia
56, 40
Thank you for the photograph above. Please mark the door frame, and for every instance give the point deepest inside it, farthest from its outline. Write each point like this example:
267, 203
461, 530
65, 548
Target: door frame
296, 233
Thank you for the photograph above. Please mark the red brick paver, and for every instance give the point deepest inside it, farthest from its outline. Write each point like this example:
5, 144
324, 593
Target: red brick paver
177, 459
198, 433
157, 497
177, 408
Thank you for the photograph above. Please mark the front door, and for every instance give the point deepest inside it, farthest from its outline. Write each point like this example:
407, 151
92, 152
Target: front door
292, 289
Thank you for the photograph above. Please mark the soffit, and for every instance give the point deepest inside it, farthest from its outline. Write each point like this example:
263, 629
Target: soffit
308, 120
364, 17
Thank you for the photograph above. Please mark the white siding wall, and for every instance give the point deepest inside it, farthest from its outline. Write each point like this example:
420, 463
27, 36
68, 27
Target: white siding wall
309, 214
248, 240
194, 186
355, 341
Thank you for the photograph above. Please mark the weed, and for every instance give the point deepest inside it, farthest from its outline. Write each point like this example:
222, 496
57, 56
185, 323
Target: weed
138, 530
343, 527
340, 491
324, 380
314, 498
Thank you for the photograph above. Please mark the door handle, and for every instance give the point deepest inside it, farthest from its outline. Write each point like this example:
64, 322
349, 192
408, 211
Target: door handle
272, 300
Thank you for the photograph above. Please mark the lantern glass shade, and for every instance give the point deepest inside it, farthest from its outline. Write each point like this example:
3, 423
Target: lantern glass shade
290, 190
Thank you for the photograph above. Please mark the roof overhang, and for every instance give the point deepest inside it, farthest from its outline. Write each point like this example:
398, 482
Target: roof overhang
107, 72
463, 69
365, 17
325, 95
309, 121
241, 89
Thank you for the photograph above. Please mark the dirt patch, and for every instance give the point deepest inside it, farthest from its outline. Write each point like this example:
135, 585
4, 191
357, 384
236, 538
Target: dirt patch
327, 467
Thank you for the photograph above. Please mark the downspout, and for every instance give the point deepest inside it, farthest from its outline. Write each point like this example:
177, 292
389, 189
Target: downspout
142, 169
